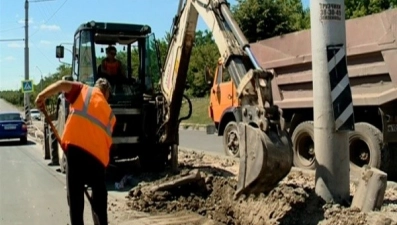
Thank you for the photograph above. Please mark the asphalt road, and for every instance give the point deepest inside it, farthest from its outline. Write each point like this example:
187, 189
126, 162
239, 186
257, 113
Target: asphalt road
200, 140
33, 193
30, 191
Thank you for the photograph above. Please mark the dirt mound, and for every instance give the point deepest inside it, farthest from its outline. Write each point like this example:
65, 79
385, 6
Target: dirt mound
210, 191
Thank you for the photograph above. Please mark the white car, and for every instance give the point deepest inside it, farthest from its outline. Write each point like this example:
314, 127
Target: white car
35, 114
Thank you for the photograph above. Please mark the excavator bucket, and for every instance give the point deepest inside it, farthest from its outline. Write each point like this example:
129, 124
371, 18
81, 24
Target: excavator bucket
265, 159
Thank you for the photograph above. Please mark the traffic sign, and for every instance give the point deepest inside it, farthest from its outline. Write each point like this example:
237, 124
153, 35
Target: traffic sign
27, 86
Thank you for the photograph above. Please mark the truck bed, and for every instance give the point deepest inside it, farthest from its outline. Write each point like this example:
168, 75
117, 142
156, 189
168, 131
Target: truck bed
371, 56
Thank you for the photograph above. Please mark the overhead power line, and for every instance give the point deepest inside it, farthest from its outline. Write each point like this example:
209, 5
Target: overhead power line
56, 11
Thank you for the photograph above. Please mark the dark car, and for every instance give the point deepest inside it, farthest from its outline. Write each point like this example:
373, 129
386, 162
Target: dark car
12, 125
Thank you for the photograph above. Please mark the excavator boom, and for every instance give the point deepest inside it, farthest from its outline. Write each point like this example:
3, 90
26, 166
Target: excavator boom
266, 151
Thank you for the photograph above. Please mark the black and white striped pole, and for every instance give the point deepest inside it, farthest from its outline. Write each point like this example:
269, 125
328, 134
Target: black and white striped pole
27, 107
332, 102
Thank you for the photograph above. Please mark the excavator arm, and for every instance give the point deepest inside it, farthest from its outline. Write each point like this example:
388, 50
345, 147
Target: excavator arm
265, 148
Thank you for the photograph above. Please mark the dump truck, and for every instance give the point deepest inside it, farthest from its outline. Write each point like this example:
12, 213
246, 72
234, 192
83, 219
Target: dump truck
372, 66
148, 121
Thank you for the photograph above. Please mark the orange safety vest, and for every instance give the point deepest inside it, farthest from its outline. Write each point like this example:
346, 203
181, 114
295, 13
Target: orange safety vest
111, 67
90, 124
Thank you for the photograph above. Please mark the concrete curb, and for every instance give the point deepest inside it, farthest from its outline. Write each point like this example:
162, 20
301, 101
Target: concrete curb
194, 126
219, 155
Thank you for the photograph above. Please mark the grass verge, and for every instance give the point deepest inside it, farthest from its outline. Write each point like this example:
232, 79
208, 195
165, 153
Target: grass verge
200, 111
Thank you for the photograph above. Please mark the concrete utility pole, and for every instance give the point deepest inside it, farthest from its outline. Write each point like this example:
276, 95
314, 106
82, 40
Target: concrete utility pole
26, 95
332, 102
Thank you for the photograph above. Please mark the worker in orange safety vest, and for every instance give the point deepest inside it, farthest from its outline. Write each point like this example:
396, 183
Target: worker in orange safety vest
111, 66
86, 140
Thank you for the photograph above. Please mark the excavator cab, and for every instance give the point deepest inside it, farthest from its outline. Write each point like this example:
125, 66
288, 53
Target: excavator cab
132, 46
131, 56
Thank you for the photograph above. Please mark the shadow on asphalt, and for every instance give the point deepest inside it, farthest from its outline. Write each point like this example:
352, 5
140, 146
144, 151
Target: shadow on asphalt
15, 143
126, 171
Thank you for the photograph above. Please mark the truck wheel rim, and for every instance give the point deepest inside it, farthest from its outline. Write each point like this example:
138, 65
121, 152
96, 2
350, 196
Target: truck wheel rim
232, 142
359, 152
305, 150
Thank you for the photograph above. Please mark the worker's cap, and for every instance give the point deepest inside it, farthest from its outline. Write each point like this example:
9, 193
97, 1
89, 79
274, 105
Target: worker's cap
104, 85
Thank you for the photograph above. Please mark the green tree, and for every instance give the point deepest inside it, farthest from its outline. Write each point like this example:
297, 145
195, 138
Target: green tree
359, 8
261, 19
205, 53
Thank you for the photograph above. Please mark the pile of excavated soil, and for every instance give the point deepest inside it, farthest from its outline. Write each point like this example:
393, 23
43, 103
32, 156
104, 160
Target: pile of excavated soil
292, 202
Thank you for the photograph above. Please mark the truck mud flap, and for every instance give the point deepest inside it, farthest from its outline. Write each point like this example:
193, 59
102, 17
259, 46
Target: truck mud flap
264, 161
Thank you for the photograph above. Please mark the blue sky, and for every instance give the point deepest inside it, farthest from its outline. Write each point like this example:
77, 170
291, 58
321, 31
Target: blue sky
52, 22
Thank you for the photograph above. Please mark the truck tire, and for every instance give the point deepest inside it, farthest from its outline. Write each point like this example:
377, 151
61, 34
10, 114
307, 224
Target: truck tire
366, 148
24, 140
60, 127
303, 146
231, 140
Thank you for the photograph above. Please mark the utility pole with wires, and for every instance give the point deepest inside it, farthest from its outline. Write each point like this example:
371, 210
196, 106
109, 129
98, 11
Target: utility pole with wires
26, 99
27, 95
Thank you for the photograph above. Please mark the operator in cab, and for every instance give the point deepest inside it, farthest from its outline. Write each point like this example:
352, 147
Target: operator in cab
111, 66
86, 141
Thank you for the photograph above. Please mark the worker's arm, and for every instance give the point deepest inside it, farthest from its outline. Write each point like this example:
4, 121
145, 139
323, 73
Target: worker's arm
59, 86
74, 92
70, 89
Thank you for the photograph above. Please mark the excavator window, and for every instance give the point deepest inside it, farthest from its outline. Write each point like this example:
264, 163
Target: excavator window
120, 56
223, 75
85, 59
153, 67
75, 63
137, 57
